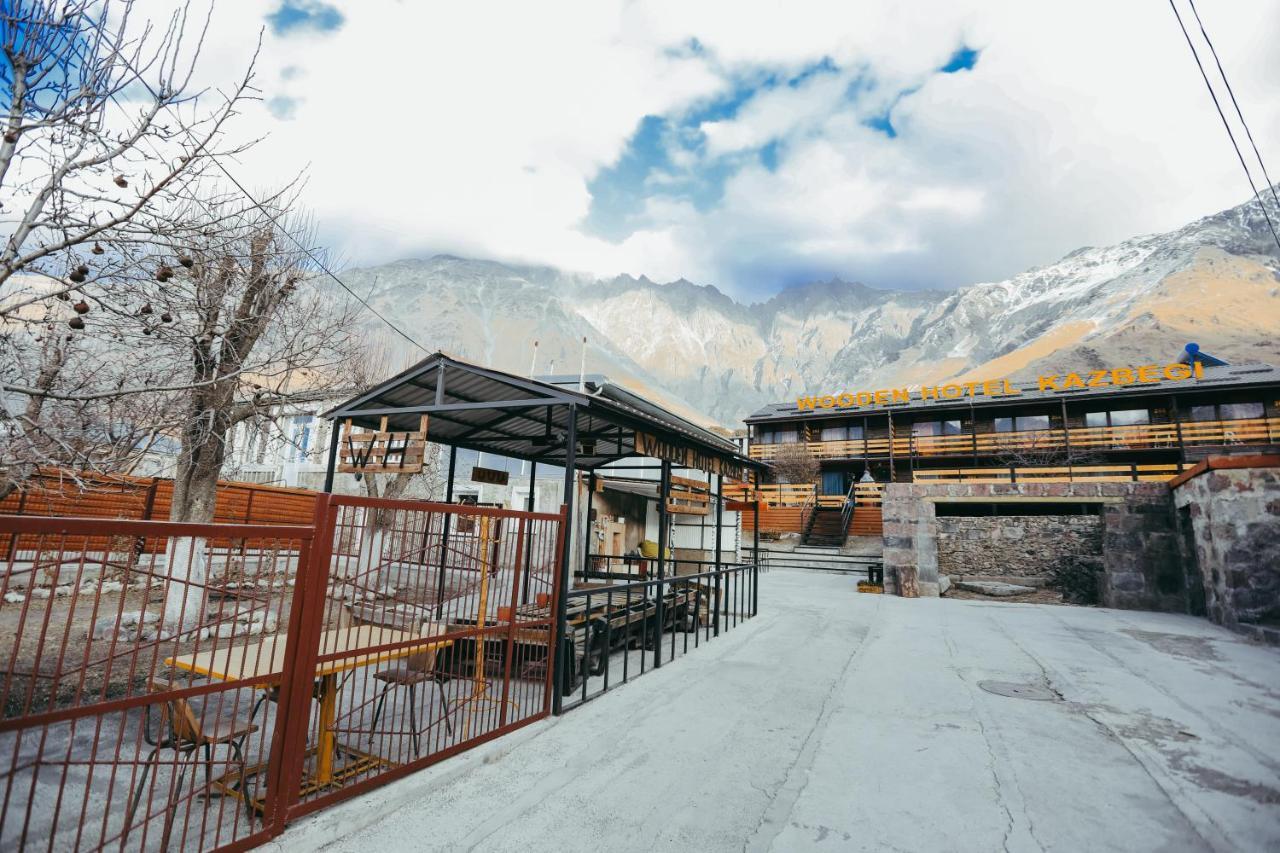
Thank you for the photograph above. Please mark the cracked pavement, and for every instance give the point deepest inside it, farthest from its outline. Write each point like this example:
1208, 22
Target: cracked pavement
838, 721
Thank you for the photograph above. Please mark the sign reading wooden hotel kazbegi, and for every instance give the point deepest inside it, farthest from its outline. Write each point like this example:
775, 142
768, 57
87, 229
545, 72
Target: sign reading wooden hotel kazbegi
1147, 374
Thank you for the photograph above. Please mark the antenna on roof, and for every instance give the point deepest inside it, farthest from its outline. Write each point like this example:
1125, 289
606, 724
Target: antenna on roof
533, 363
1193, 355
582, 368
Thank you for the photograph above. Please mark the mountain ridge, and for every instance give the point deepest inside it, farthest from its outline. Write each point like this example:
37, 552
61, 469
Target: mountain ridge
1215, 280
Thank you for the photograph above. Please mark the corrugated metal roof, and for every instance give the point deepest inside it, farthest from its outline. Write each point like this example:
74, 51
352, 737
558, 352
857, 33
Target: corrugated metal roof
505, 414
1215, 379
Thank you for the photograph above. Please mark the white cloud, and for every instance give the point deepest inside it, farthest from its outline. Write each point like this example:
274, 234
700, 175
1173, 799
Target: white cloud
477, 129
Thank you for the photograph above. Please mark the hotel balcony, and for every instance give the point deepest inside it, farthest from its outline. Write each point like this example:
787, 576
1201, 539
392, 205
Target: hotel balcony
1081, 440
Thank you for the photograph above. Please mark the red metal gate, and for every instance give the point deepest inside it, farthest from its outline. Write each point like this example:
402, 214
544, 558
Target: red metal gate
175, 686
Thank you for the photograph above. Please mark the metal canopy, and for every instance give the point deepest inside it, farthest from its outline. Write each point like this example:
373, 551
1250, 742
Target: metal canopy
482, 409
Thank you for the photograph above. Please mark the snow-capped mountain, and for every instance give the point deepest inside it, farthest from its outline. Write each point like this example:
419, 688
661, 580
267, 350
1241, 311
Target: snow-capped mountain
1215, 281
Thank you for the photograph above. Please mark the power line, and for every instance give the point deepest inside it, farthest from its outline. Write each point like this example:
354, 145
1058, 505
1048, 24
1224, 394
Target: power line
1223, 74
1225, 123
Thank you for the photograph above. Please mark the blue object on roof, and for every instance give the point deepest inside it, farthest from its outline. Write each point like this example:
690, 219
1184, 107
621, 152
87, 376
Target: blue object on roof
1193, 355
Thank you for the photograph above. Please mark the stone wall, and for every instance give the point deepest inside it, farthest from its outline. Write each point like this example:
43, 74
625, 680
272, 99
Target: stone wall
1234, 515
1022, 548
1142, 568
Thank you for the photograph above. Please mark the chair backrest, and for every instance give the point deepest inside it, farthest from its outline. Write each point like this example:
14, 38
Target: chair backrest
425, 661
181, 721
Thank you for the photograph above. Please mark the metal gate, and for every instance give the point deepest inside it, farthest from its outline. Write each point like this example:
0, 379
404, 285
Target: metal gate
178, 686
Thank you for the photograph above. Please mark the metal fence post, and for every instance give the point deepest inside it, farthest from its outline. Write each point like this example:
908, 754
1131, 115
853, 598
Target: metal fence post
664, 493
306, 619
563, 667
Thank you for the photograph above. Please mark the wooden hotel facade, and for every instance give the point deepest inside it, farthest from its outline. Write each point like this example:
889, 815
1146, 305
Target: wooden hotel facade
1145, 422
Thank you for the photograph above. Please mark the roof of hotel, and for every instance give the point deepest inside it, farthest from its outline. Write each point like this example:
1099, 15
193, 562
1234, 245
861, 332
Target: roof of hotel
1215, 378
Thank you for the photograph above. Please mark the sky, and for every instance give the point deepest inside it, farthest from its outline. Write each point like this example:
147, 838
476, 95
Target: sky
750, 145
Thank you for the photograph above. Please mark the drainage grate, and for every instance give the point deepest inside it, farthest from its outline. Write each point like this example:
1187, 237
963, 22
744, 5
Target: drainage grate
1018, 691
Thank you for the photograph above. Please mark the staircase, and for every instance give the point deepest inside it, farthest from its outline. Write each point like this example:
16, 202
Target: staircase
824, 559
827, 526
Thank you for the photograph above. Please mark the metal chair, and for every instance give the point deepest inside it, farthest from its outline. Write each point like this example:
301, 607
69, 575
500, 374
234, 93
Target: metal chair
182, 731
417, 668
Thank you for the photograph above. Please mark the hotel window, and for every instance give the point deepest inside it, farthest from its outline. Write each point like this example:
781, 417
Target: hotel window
840, 433
1227, 412
928, 428
1122, 417
1022, 423
779, 436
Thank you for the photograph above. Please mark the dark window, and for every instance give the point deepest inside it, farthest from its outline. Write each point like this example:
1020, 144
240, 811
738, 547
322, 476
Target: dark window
1122, 417
927, 428
841, 432
1227, 412
1019, 508
1022, 423
1241, 411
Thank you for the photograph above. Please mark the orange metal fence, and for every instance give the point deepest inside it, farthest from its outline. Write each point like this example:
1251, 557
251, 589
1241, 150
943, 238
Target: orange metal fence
198, 697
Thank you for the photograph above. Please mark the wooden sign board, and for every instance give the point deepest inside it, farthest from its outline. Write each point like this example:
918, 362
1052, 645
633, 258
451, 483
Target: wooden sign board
382, 452
492, 476
689, 497
649, 445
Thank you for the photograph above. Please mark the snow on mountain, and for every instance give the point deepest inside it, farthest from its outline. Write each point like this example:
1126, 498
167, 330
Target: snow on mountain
1216, 281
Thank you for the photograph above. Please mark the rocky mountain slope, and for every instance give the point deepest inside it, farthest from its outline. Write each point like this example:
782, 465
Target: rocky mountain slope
1215, 281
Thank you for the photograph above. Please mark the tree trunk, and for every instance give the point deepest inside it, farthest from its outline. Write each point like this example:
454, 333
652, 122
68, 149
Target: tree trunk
195, 497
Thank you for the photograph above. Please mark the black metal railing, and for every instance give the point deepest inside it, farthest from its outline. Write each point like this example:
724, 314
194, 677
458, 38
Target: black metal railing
633, 622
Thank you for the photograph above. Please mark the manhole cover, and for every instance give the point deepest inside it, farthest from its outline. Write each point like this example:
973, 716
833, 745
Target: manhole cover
1018, 691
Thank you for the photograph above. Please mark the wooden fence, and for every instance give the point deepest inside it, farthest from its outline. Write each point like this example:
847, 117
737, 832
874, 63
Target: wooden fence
58, 494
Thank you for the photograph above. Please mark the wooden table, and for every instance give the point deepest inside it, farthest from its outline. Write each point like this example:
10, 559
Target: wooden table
261, 665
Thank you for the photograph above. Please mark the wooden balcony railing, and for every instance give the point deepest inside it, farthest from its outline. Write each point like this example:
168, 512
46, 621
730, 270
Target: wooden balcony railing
1059, 474
798, 494
1143, 436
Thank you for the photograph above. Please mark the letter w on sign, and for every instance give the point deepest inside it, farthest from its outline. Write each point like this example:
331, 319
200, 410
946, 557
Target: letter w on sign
382, 452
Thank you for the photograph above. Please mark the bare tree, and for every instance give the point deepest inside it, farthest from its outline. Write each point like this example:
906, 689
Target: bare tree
236, 306
104, 142
795, 463
1039, 449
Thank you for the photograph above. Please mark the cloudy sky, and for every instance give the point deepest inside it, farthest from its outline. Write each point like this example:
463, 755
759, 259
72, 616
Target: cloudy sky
748, 144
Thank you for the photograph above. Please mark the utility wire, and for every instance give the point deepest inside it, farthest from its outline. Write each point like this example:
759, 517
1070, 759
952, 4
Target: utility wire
1225, 123
1223, 74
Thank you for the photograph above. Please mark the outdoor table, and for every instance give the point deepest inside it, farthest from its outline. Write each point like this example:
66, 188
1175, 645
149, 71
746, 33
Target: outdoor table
266, 658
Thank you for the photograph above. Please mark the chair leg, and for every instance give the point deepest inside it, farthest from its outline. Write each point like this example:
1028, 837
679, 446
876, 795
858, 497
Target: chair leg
262, 700
444, 706
413, 717
137, 794
377, 712
208, 769
171, 810
237, 749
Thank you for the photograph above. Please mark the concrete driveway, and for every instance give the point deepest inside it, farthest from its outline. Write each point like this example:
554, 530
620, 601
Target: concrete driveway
839, 721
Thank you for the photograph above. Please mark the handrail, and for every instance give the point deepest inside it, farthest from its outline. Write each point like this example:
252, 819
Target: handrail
807, 510
846, 514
